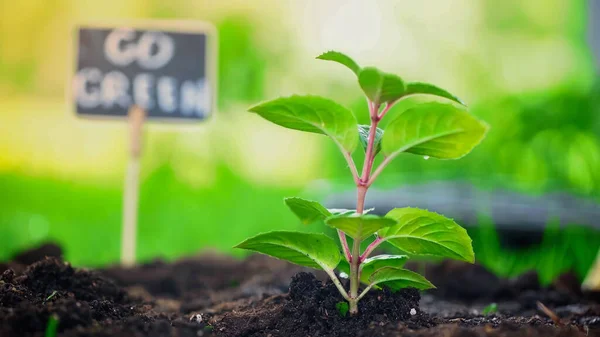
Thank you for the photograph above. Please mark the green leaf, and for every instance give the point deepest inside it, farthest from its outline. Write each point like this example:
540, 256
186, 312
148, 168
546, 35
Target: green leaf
397, 278
363, 136
416, 88
341, 59
372, 264
307, 211
433, 129
359, 227
421, 232
306, 249
380, 87
312, 114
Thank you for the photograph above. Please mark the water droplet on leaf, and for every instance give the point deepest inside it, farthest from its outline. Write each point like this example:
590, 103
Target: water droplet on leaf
426, 157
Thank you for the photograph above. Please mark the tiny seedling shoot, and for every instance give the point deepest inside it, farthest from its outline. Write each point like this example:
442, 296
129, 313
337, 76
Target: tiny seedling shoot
439, 128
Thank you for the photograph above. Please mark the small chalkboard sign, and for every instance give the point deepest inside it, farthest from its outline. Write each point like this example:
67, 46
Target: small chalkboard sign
154, 70
166, 69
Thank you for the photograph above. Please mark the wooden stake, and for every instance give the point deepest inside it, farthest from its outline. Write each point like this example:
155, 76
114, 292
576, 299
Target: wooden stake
132, 180
592, 279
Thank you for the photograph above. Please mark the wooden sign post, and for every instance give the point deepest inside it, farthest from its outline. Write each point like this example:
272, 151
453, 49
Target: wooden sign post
154, 70
132, 182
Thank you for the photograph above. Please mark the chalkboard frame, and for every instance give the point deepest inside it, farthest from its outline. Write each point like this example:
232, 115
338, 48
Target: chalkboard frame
172, 26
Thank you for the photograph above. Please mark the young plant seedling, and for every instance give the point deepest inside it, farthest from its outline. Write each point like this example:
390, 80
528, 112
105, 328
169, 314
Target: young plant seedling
490, 309
439, 128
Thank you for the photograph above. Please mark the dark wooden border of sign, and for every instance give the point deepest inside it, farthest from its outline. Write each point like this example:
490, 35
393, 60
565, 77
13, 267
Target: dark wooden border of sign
178, 26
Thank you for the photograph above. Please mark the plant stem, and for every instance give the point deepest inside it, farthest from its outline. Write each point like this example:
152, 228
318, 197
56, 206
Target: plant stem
380, 168
361, 193
344, 242
387, 108
369, 154
351, 165
354, 277
370, 249
364, 292
338, 284
368, 180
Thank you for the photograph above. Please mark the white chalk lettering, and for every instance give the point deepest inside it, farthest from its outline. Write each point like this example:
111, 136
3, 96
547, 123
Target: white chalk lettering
114, 90
88, 96
116, 48
166, 94
165, 48
153, 50
194, 98
142, 84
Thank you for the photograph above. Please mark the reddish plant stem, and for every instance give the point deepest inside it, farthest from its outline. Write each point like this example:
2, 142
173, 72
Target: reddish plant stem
379, 169
344, 242
361, 194
370, 249
387, 108
369, 180
370, 155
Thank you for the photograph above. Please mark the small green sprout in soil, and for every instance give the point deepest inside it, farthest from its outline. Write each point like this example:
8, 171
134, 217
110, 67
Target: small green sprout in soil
492, 308
437, 127
342, 308
50, 297
52, 326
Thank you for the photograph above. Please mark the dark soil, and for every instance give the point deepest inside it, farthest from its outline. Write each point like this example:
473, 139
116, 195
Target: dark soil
213, 295
310, 310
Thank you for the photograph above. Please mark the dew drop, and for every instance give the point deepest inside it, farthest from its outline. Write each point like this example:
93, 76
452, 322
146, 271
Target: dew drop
426, 157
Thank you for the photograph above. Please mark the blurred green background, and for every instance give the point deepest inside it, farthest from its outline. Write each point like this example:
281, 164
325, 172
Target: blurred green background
525, 67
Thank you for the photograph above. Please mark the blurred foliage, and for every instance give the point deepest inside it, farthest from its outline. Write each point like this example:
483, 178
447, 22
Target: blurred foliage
174, 218
571, 248
524, 67
242, 66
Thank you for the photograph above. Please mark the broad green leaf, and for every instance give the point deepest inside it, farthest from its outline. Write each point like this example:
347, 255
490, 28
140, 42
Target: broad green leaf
307, 211
372, 264
312, 114
341, 59
421, 232
433, 129
397, 278
380, 87
359, 227
306, 249
363, 136
429, 89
